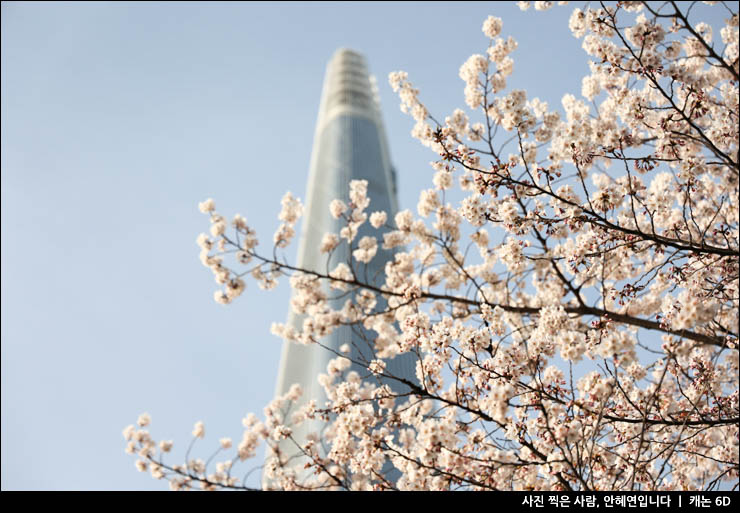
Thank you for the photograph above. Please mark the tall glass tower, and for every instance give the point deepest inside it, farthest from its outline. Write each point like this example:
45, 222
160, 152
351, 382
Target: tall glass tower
349, 144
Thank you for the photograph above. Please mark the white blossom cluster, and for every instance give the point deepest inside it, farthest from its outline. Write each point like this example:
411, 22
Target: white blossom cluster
289, 214
573, 315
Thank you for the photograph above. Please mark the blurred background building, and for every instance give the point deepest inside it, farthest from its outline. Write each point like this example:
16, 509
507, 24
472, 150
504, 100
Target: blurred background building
349, 144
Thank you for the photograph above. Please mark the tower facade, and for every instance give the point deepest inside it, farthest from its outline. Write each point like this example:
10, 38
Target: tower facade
349, 144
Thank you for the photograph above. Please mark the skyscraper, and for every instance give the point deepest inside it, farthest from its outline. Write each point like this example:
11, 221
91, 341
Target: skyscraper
349, 144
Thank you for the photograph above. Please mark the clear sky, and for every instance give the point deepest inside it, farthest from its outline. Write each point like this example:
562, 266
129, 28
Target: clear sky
117, 119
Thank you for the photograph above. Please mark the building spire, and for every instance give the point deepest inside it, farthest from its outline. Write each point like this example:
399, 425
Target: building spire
349, 144
347, 88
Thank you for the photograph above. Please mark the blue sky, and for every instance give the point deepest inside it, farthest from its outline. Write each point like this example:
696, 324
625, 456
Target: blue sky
117, 119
